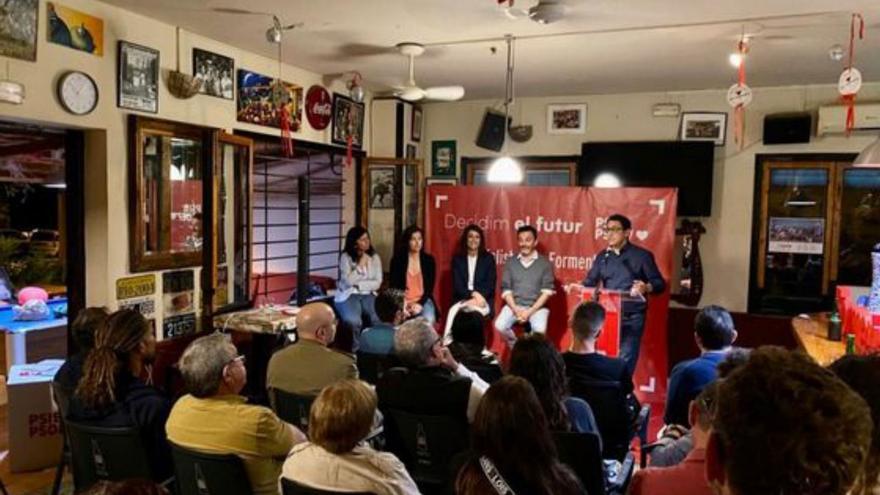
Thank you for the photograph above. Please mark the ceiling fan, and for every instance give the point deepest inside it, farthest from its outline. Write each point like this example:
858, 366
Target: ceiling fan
412, 92
275, 33
543, 12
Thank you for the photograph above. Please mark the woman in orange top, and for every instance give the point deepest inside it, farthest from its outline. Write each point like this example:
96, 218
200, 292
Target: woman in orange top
413, 271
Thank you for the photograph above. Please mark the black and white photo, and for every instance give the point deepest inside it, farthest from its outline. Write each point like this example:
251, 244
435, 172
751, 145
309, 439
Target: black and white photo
704, 126
382, 188
216, 72
138, 74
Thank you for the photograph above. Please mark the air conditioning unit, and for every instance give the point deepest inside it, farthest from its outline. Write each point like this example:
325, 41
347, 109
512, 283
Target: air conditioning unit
832, 118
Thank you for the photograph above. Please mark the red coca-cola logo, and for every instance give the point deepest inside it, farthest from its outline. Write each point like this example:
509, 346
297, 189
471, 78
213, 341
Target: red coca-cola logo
319, 107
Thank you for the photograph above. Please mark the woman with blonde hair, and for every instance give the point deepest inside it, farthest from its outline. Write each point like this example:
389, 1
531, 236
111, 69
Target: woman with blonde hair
336, 457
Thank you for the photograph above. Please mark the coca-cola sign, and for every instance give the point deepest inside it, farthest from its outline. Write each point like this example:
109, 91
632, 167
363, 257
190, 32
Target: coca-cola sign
319, 107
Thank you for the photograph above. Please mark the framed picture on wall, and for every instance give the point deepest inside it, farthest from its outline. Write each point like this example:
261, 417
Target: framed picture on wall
217, 73
18, 29
348, 120
443, 158
71, 28
416, 124
704, 126
410, 151
138, 78
382, 188
567, 118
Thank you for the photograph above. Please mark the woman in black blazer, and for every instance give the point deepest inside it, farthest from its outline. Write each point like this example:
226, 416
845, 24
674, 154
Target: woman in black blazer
414, 272
476, 291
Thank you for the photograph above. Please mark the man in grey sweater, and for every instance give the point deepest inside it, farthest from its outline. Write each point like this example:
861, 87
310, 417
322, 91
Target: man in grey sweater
526, 285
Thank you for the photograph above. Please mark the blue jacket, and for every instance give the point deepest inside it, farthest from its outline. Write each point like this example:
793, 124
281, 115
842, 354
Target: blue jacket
485, 278
619, 271
687, 380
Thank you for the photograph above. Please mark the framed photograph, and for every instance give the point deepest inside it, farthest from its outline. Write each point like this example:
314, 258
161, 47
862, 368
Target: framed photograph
137, 78
258, 100
217, 73
18, 29
441, 181
411, 151
74, 29
382, 188
348, 120
567, 118
416, 124
704, 126
443, 158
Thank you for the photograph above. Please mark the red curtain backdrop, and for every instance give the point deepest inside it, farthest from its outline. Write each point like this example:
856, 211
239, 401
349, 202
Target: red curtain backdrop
569, 221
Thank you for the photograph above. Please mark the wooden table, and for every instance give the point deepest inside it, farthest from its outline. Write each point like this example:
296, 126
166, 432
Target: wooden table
812, 336
272, 320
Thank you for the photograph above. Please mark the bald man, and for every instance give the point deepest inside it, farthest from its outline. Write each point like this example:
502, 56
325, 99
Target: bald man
309, 365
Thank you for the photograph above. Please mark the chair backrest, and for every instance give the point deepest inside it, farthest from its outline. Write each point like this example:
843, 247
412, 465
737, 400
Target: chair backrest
200, 473
582, 453
100, 453
290, 487
611, 409
425, 444
371, 366
291, 408
61, 398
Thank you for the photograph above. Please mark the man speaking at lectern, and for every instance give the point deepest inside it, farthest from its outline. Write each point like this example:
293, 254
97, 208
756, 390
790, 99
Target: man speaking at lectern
623, 266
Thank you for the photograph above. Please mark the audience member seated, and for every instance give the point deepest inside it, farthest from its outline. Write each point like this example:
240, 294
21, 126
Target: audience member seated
862, 374
582, 360
785, 425
213, 418
535, 359
111, 392
83, 330
379, 338
714, 334
336, 457
414, 271
432, 381
473, 276
468, 346
512, 447
360, 276
689, 477
307, 366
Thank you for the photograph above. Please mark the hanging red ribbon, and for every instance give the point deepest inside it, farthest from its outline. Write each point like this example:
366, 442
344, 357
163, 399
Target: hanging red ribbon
286, 139
849, 99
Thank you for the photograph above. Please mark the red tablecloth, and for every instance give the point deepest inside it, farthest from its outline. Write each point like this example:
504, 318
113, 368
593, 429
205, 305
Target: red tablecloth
858, 320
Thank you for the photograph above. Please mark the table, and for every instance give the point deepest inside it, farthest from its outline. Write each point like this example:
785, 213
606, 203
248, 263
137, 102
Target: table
33, 341
269, 319
812, 336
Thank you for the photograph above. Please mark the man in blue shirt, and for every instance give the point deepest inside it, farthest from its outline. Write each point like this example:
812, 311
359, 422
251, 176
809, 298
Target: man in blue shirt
379, 339
714, 333
625, 267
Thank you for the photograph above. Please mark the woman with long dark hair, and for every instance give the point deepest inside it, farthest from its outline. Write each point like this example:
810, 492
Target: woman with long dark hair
413, 271
112, 392
474, 277
512, 448
535, 359
360, 276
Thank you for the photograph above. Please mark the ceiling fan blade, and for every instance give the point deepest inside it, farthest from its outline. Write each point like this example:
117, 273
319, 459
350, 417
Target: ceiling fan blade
444, 93
410, 93
237, 11
276, 22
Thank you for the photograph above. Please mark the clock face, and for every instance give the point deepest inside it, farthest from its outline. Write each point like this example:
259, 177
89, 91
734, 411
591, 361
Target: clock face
78, 93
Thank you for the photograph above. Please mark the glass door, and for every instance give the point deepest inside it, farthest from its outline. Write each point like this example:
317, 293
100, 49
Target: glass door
858, 224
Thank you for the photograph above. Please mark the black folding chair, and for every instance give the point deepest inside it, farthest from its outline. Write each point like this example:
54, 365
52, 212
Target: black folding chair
290, 487
371, 366
583, 454
62, 400
291, 408
111, 454
200, 473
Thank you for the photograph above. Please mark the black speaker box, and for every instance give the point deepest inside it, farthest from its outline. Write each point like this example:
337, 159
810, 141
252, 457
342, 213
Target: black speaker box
491, 135
788, 128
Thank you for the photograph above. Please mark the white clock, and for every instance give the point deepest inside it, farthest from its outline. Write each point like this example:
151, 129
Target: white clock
77, 92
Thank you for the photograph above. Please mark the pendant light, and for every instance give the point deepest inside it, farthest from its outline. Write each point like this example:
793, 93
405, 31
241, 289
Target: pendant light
870, 156
506, 170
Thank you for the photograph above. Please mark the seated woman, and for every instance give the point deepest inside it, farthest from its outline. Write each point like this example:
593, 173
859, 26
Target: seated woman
336, 457
473, 276
413, 271
83, 330
111, 392
535, 359
360, 276
512, 448
468, 346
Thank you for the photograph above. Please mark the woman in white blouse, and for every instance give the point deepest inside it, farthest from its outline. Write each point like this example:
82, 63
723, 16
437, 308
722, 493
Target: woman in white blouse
360, 275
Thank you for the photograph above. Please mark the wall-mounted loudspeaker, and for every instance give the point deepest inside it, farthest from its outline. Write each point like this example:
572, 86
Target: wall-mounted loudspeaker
788, 128
491, 135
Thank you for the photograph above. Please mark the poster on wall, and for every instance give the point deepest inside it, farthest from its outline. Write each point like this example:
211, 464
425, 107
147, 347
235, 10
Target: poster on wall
443, 158
796, 235
382, 188
348, 120
178, 292
75, 29
258, 100
177, 326
138, 78
18, 29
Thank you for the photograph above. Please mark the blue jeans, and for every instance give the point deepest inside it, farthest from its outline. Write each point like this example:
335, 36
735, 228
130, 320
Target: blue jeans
631, 328
352, 312
429, 312
506, 319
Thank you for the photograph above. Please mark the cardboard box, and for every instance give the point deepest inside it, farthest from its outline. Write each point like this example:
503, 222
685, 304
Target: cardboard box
34, 422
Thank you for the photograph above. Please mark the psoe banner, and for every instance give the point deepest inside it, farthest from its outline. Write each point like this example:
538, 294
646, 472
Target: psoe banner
569, 222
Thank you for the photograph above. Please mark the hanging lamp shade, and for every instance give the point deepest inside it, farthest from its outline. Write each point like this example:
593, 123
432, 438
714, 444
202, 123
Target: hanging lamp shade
870, 156
505, 170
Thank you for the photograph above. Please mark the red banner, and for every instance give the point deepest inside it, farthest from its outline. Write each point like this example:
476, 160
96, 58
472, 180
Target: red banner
569, 221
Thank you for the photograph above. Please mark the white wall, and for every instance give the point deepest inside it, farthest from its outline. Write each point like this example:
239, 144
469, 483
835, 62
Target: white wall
107, 223
725, 248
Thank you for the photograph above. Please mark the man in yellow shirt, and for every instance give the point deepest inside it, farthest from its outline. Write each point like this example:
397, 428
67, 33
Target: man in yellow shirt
213, 418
